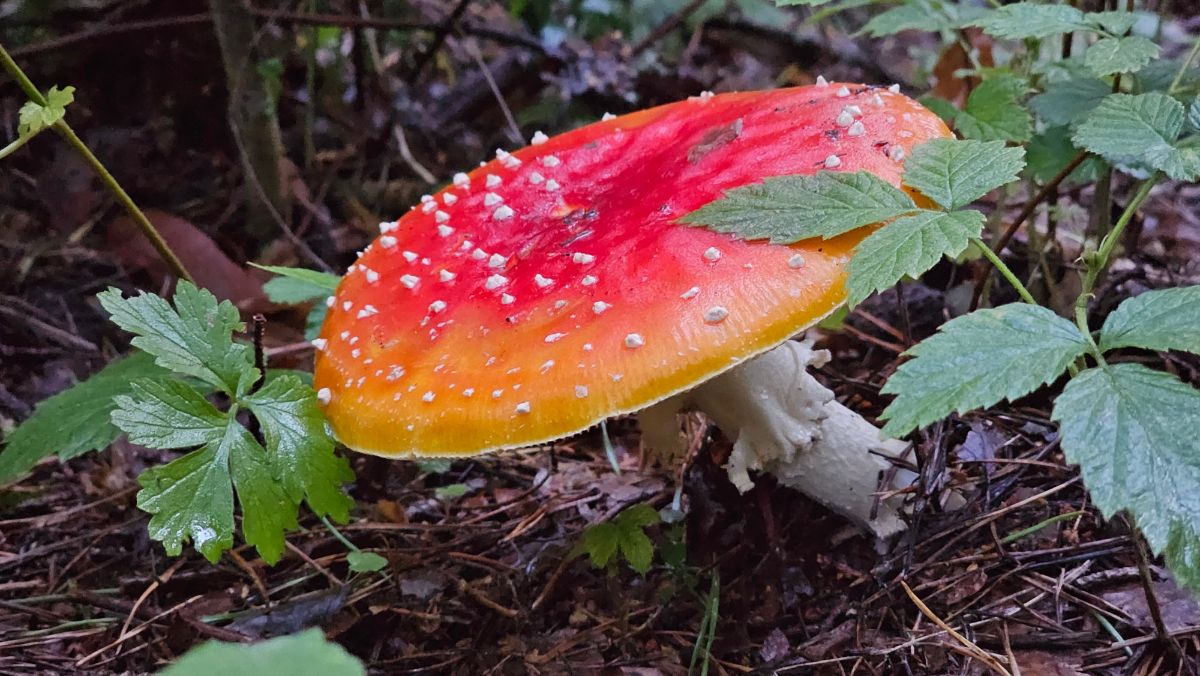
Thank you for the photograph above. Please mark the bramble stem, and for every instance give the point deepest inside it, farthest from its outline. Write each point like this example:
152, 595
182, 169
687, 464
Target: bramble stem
1187, 63
1097, 261
1004, 270
107, 178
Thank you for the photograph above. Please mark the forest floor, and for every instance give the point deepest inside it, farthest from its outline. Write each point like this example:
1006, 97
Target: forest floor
489, 581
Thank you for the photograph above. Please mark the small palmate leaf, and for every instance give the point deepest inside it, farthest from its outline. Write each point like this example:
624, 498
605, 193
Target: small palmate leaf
34, 117
638, 516
451, 491
75, 420
908, 246
162, 413
600, 542
365, 562
978, 359
301, 451
305, 653
956, 173
1132, 431
637, 548
193, 338
1022, 20
1167, 319
786, 209
1119, 55
191, 498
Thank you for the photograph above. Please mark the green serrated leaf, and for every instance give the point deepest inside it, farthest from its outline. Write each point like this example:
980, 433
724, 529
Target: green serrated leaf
1114, 22
365, 562
1167, 319
977, 360
191, 498
941, 107
192, 339
638, 516
1181, 164
1133, 129
1066, 102
301, 452
297, 285
1119, 55
637, 549
956, 173
1193, 116
1159, 75
292, 291
907, 247
267, 512
994, 111
304, 653
1023, 20
1132, 431
76, 420
786, 209
1049, 152
33, 118
600, 543
162, 413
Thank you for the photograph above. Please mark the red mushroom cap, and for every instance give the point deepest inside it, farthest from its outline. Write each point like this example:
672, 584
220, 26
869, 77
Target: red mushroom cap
552, 287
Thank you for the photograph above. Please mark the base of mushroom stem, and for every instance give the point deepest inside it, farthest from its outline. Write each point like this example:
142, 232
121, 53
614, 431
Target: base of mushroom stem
782, 421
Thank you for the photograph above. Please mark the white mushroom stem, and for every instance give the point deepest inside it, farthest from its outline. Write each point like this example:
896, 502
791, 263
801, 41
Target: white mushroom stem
782, 421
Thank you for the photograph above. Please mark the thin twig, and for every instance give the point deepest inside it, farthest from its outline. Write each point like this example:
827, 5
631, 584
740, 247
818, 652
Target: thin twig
977, 652
418, 168
110, 31
513, 129
338, 20
661, 30
1143, 566
439, 37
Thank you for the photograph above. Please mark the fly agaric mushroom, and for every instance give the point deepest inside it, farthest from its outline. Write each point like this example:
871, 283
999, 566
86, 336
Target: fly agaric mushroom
553, 288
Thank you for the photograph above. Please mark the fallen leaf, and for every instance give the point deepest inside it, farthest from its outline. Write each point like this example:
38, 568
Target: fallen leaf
775, 646
204, 260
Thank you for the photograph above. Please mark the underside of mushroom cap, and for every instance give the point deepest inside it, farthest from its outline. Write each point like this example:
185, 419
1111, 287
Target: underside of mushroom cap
553, 287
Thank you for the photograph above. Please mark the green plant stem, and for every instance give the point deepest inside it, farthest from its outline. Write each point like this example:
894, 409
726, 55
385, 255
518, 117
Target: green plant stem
109, 180
1013, 537
1097, 262
1004, 270
338, 534
1183, 69
15, 145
